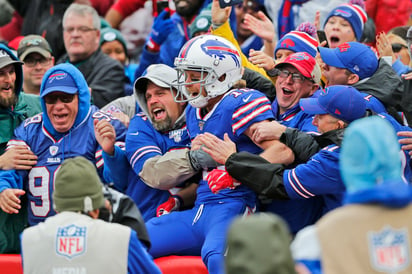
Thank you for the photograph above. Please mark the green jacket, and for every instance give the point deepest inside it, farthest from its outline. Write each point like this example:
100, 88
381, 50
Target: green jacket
27, 106
11, 225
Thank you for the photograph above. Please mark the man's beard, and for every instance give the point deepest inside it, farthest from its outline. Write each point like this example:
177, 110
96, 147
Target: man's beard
163, 126
9, 101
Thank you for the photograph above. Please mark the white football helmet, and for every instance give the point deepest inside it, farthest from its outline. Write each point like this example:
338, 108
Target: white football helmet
216, 59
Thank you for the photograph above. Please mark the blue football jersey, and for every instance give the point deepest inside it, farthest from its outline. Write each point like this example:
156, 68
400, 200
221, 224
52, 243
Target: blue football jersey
319, 176
233, 114
143, 142
295, 118
39, 181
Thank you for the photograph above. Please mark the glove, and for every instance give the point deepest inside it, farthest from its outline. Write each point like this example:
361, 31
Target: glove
172, 204
161, 29
199, 160
219, 179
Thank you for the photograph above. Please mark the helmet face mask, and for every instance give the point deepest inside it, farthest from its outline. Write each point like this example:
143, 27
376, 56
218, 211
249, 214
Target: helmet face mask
218, 63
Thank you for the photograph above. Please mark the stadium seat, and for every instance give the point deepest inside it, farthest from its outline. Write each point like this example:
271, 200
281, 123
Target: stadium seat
10, 264
181, 264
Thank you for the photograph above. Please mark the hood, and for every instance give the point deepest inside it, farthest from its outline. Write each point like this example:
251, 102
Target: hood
18, 68
259, 243
83, 93
162, 76
369, 158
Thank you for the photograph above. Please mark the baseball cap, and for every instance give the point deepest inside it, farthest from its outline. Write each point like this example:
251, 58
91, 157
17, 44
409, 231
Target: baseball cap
5, 59
77, 186
353, 56
160, 74
298, 41
33, 43
59, 81
354, 14
343, 102
305, 64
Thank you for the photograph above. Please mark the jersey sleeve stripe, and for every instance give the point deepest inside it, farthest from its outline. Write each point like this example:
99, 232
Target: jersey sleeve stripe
249, 106
249, 117
295, 188
143, 151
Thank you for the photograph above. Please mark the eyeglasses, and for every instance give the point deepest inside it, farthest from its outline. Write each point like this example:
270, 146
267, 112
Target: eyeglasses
296, 77
63, 97
32, 62
82, 29
396, 47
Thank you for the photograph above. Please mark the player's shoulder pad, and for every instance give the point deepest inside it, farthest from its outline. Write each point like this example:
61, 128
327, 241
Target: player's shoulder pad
246, 95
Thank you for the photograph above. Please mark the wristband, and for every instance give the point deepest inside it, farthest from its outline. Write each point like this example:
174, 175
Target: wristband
152, 45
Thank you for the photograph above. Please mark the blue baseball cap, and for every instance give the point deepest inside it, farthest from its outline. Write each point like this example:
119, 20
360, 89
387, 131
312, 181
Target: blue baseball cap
353, 56
343, 102
59, 81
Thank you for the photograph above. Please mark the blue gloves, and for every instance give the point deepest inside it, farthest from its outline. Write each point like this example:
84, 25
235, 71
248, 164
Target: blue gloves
162, 27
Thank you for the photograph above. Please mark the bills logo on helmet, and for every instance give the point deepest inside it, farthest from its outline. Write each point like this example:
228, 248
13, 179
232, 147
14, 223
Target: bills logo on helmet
71, 241
389, 249
220, 50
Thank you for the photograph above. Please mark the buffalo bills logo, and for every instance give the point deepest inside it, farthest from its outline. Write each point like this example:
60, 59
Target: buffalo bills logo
218, 49
344, 47
389, 249
343, 13
299, 56
57, 77
287, 43
71, 241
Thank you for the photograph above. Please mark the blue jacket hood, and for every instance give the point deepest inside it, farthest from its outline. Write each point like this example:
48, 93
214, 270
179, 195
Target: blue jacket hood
18, 69
83, 94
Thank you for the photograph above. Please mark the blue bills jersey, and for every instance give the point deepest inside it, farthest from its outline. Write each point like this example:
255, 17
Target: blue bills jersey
295, 118
143, 142
39, 181
319, 176
233, 114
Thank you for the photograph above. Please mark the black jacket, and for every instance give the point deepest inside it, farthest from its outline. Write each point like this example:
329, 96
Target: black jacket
266, 178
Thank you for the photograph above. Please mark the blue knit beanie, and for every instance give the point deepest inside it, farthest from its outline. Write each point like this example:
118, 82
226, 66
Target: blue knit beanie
354, 14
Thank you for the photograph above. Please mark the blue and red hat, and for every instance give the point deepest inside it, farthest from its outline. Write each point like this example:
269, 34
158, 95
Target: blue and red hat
353, 56
305, 64
354, 14
298, 41
59, 81
343, 102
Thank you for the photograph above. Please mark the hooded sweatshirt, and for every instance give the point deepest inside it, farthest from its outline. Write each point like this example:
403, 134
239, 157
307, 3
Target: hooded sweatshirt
52, 147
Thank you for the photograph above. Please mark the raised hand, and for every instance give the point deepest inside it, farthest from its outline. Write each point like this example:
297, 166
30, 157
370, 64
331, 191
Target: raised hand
105, 135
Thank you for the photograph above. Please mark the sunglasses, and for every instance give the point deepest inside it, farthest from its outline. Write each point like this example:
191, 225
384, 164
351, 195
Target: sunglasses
396, 47
64, 98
